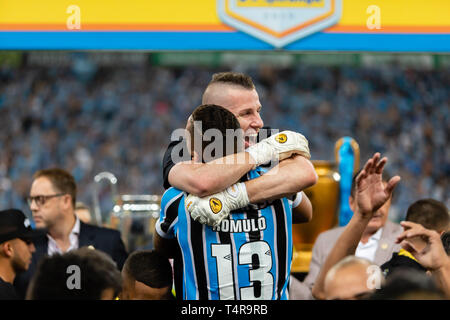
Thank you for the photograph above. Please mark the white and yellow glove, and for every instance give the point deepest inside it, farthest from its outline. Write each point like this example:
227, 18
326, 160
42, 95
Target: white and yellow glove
211, 210
279, 147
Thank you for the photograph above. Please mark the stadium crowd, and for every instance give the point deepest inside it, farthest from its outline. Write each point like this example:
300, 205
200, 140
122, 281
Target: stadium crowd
88, 120
120, 120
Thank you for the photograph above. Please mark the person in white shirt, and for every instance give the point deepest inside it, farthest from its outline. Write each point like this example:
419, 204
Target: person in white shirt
377, 244
52, 202
73, 240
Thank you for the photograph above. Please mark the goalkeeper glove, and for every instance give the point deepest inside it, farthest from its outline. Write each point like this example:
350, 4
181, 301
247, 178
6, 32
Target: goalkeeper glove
211, 210
280, 146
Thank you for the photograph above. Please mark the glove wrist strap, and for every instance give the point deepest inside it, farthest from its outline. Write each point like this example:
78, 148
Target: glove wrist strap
237, 194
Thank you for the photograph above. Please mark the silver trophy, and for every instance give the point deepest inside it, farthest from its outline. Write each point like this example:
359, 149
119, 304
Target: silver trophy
134, 215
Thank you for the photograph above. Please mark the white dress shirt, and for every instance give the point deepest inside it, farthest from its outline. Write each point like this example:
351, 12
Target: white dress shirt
367, 250
73, 238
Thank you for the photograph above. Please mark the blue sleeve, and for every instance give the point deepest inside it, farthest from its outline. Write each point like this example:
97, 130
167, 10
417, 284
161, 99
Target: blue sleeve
169, 213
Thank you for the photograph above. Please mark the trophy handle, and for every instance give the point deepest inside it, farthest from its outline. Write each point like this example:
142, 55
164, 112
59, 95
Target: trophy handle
111, 178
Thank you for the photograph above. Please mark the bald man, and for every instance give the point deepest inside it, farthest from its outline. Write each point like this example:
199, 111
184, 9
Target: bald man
348, 279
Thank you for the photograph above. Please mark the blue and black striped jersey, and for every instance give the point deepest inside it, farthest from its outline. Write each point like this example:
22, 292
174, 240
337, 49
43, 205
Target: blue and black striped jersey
248, 256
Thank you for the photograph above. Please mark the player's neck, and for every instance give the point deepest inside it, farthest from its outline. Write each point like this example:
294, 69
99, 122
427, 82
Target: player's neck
7, 272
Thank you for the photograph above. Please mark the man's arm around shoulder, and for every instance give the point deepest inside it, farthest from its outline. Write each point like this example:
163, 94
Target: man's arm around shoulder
289, 177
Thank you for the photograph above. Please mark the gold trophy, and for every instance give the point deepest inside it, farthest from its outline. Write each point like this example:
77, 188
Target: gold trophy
324, 197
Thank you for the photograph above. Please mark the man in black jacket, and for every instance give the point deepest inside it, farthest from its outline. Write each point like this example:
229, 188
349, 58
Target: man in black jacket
430, 214
16, 249
52, 202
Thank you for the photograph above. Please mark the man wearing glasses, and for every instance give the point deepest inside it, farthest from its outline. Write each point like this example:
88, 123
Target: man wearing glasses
52, 202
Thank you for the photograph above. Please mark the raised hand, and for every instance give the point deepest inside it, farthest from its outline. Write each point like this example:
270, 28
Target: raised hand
371, 192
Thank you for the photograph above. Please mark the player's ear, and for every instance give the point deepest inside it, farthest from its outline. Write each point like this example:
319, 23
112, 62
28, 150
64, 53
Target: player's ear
351, 202
67, 199
6, 249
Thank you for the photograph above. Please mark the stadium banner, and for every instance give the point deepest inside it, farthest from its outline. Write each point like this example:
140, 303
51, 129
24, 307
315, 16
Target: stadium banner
291, 25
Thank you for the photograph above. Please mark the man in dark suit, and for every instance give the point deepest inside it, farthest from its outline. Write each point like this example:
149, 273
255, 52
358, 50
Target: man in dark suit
52, 202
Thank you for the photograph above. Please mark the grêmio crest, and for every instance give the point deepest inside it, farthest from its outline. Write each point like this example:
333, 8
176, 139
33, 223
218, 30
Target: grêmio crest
279, 22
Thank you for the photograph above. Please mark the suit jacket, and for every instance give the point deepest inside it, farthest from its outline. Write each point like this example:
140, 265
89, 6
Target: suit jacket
322, 247
103, 239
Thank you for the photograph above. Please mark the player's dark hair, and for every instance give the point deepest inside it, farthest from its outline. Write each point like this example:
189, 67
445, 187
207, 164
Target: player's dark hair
233, 78
97, 272
212, 116
149, 267
446, 241
430, 213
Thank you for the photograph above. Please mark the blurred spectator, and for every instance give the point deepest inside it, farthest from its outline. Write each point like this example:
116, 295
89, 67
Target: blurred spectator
147, 275
377, 244
370, 193
347, 280
431, 255
409, 285
52, 201
16, 249
82, 274
430, 214
118, 119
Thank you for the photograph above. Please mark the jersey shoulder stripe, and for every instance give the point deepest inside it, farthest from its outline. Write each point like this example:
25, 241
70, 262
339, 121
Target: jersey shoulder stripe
169, 210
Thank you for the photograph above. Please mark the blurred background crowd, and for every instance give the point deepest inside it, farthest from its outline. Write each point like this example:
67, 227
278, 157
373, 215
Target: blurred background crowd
89, 118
